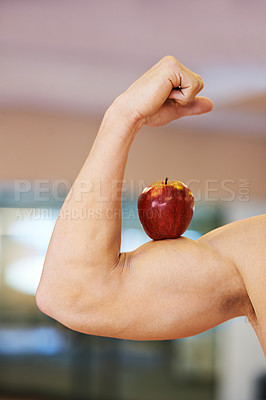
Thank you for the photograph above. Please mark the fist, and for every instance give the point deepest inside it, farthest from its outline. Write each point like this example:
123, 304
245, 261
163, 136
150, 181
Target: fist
165, 92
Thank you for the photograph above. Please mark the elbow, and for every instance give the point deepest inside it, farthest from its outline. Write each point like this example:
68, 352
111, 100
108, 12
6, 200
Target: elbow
85, 303
72, 309
58, 296
56, 306
50, 301
43, 301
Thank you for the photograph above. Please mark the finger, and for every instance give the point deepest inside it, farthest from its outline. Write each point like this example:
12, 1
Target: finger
168, 112
200, 105
186, 95
171, 110
190, 85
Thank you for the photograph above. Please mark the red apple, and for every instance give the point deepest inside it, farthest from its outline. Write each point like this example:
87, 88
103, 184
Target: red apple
165, 209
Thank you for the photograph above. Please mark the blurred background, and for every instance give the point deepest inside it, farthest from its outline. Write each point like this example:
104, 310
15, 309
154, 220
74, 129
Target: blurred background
62, 63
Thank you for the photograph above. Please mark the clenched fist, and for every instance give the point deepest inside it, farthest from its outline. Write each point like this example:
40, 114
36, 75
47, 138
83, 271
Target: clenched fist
164, 93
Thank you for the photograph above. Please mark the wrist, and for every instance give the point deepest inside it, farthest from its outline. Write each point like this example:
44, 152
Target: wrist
121, 113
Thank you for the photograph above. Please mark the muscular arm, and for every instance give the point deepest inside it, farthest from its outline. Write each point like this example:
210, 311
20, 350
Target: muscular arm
162, 290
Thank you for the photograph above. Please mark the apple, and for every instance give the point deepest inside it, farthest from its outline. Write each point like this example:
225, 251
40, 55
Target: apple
165, 209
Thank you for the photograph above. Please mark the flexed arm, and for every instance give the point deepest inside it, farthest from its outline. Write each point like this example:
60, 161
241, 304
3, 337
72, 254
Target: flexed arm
157, 291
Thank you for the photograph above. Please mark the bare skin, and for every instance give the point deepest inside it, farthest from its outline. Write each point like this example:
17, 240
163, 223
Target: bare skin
165, 289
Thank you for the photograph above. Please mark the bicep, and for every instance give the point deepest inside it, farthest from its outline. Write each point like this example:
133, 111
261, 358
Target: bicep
168, 289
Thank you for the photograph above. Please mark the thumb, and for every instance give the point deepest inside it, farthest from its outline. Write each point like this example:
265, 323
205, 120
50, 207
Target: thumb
199, 105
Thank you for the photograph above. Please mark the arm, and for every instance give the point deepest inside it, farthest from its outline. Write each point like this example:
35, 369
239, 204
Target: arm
162, 290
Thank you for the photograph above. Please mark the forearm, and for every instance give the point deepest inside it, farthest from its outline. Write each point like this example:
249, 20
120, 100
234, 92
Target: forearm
95, 198
85, 244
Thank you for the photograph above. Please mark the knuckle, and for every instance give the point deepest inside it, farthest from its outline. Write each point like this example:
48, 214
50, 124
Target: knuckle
171, 66
170, 59
196, 85
201, 84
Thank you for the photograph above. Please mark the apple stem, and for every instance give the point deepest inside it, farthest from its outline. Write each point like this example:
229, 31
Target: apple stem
166, 179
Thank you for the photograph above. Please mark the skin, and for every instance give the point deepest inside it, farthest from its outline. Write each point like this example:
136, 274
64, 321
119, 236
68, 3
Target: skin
165, 289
